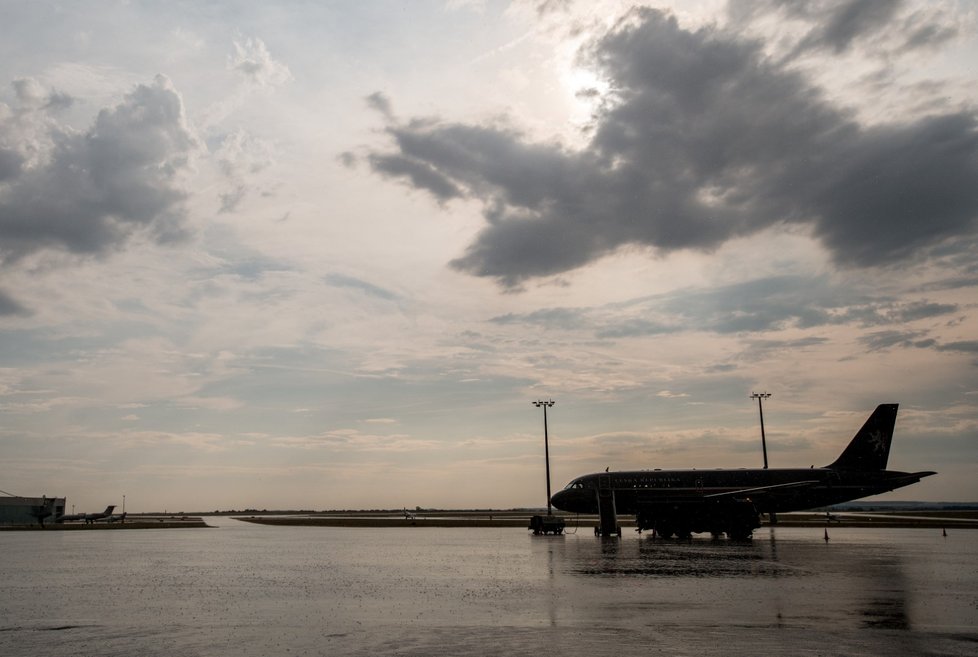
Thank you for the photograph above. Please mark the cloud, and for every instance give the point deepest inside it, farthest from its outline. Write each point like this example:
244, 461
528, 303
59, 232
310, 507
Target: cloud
703, 139
880, 28
10, 306
240, 157
89, 192
964, 346
883, 340
759, 347
768, 304
252, 59
565, 319
369, 289
381, 103
11, 163
421, 175
850, 20
206, 442
352, 440
32, 95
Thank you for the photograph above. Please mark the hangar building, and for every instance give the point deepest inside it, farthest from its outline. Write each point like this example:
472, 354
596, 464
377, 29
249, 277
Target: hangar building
16, 510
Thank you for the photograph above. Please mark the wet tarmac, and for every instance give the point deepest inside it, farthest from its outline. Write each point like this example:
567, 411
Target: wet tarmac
245, 589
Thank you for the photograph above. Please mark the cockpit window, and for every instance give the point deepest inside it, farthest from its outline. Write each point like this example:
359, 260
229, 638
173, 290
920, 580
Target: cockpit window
577, 484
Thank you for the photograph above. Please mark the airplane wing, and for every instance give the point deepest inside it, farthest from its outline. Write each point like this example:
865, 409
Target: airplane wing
763, 489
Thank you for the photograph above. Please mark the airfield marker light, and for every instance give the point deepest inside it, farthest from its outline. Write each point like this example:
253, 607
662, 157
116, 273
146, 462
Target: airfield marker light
760, 409
546, 445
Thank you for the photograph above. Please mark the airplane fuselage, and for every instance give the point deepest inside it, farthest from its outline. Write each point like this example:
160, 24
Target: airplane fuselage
89, 518
636, 491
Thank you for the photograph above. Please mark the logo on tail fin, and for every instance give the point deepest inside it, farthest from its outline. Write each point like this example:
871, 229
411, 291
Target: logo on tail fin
870, 447
877, 441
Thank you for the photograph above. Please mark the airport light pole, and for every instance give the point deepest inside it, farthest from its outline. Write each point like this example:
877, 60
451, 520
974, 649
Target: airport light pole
760, 409
546, 445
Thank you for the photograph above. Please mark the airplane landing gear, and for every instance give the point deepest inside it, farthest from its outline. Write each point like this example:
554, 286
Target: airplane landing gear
735, 518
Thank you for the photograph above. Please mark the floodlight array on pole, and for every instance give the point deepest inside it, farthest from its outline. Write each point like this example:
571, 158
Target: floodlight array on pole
546, 444
760, 409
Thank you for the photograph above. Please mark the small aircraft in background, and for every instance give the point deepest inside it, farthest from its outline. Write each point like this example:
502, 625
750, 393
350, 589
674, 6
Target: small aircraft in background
89, 518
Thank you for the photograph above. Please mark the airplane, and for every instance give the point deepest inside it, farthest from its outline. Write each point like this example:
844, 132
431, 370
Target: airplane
730, 501
89, 518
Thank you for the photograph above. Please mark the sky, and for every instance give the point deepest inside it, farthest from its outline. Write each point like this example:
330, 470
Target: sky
325, 255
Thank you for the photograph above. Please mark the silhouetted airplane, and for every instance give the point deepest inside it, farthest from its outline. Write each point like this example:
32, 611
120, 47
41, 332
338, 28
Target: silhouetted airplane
729, 501
88, 517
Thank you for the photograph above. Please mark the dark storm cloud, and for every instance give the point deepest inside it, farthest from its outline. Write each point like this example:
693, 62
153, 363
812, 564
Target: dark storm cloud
421, 175
94, 190
702, 139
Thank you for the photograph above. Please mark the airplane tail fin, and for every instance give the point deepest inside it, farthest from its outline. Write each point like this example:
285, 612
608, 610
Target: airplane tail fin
109, 510
870, 447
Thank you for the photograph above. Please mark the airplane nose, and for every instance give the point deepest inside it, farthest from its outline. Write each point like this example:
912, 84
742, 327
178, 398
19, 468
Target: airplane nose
559, 500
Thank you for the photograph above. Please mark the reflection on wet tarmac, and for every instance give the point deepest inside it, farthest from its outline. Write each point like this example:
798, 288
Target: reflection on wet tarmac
886, 604
853, 590
690, 558
253, 590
